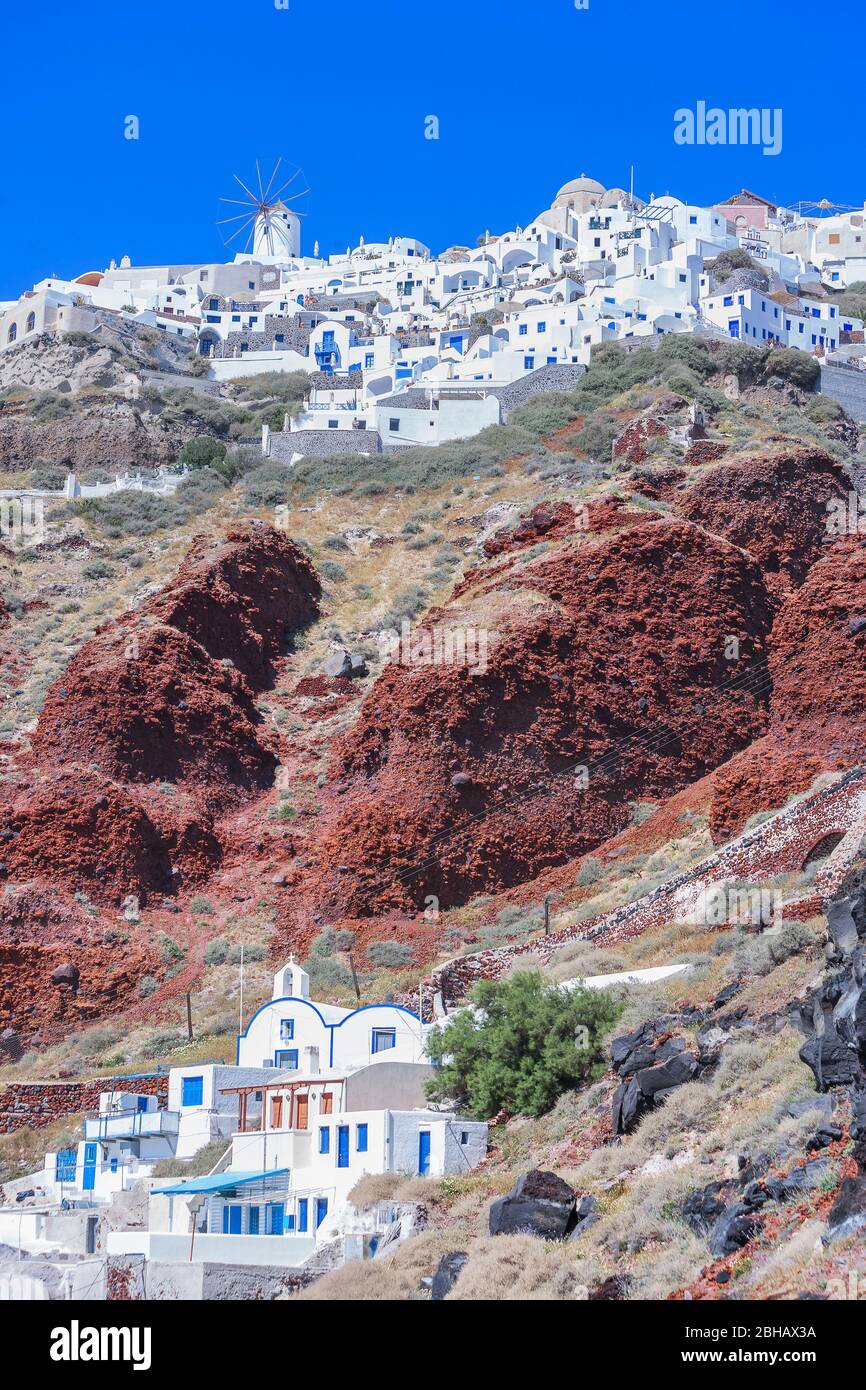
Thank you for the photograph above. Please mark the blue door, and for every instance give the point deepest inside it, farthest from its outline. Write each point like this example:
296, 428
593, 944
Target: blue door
343, 1146
321, 1210
734, 328
254, 1221
141, 1104
302, 1213
88, 1181
424, 1152
231, 1220
277, 1211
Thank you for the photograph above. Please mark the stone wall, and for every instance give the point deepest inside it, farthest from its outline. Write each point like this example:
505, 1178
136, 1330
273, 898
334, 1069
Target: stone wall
35, 1104
552, 377
847, 385
323, 443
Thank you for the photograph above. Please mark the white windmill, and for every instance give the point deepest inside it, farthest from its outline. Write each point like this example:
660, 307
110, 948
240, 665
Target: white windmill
266, 226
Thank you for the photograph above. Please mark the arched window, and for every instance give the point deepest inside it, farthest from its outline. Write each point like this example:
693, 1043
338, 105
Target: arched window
12, 334
31, 323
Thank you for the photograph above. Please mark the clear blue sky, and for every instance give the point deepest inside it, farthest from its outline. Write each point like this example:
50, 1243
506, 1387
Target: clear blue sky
527, 96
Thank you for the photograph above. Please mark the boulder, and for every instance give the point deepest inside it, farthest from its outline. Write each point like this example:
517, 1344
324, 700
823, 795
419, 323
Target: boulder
338, 664
447, 1273
703, 1207
848, 1212
66, 976
831, 1059
540, 1204
649, 1087
736, 1226
586, 1214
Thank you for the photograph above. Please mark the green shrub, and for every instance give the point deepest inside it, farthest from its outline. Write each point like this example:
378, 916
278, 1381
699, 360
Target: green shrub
216, 951
200, 903
523, 1045
389, 955
253, 952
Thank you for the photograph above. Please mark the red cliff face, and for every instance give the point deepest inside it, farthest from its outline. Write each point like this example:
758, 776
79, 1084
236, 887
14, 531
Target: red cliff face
817, 663
607, 655
775, 507
150, 734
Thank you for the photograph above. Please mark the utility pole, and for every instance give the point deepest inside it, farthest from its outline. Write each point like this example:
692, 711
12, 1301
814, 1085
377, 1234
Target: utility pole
354, 976
241, 1004
547, 915
189, 1016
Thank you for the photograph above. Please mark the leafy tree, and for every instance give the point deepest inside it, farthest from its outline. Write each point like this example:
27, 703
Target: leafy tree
523, 1044
202, 452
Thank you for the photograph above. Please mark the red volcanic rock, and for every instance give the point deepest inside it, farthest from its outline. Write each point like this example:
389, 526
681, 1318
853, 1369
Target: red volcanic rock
775, 507
817, 663
81, 830
631, 445
660, 483
608, 655
545, 521
702, 451
147, 703
818, 656
42, 931
241, 597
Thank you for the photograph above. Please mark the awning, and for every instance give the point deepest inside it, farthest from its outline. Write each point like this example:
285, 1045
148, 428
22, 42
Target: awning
219, 1182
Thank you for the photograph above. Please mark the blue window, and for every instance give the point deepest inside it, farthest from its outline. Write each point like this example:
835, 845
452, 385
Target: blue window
523, 329
192, 1090
212, 318
361, 1139
788, 325
464, 1136
741, 299
609, 299
64, 1165
113, 1165
369, 359
693, 221
728, 299
321, 1210
384, 1038
682, 279
456, 341
236, 318
324, 1139
287, 1029
342, 1146
816, 313
232, 1220
541, 327
303, 1203
846, 327
328, 338
551, 361
814, 339
528, 364
254, 1221
800, 327
641, 318
834, 275
832, 311
287, 1058
213, 304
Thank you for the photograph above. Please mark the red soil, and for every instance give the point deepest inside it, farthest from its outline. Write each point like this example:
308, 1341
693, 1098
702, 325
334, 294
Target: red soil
775, 507
817, 662
607, 654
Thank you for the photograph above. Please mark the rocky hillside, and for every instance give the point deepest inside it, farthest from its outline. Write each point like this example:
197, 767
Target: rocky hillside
530, 701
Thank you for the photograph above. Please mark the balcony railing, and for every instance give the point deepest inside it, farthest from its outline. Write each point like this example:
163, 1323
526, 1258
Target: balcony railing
131, 1124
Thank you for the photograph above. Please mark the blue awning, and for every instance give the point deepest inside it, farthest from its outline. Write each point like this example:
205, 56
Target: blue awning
220, 1182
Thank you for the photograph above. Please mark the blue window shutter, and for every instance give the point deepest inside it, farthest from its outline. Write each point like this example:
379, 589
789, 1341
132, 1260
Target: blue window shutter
302, 1213
324, 1139
254, 1221
361, 1139
225, 1221
192, 1090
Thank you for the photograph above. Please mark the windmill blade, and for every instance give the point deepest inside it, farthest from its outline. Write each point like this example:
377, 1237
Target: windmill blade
292, 196
259, 177
241, 216
239, 230
252, 197
239, 202
273, 176
286, 184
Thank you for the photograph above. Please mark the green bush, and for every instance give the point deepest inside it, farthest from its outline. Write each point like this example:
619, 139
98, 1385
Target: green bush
252, 953
523, 1045
216, 951
389, 955
794, 366
202, 452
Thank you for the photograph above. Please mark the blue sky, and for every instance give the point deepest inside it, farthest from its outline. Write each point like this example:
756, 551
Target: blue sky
527, 96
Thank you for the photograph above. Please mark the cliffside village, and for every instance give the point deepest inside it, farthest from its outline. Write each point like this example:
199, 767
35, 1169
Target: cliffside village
404, 348
319, 1096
